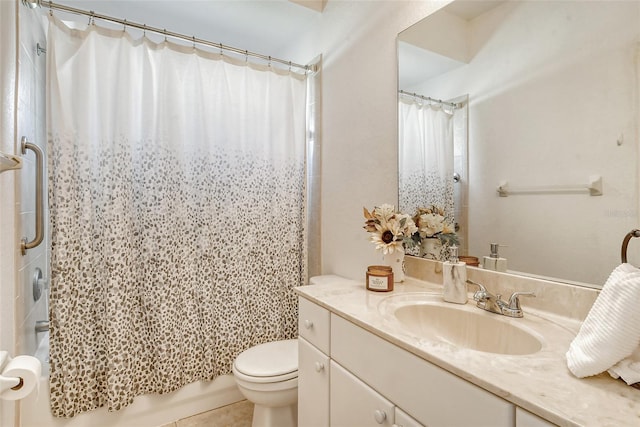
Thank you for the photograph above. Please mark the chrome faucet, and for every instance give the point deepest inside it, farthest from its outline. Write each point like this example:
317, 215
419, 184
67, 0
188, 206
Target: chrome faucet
494, 303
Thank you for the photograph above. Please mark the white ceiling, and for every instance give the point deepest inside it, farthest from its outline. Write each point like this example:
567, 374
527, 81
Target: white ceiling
262, 26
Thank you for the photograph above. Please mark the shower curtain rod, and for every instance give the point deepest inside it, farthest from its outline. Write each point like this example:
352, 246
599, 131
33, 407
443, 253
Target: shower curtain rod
193, 39
427, 98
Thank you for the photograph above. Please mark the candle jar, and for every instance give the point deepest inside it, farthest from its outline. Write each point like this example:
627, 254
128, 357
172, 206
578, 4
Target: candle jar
379, 278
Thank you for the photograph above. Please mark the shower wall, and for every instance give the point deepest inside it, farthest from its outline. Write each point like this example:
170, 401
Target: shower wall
22, 74
30, 123
8, 247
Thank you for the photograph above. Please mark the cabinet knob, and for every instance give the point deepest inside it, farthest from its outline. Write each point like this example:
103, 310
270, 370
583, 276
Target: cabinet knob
380, 416
319, 366
308, 324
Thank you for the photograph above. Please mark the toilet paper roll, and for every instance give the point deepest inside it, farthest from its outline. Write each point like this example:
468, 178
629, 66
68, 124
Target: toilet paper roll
29, 369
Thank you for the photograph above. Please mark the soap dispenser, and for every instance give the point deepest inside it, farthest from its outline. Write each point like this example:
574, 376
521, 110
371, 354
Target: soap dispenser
494, 261
454, 278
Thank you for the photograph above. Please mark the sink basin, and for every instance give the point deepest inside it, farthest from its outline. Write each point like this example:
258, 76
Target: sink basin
465, 326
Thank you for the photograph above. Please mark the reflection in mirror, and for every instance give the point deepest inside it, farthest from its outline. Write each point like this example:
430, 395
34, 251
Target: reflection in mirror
552, 101
432, 147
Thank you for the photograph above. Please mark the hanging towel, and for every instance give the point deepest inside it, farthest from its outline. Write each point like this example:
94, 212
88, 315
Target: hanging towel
611, 331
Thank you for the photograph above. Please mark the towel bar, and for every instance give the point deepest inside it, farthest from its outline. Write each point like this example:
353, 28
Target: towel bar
625, 243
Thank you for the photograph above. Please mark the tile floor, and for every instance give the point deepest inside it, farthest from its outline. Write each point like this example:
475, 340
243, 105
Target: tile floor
237, 414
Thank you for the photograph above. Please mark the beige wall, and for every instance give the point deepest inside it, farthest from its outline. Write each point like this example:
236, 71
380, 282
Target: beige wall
359, 123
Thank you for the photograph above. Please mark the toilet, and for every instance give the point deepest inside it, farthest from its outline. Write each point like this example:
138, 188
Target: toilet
267, 375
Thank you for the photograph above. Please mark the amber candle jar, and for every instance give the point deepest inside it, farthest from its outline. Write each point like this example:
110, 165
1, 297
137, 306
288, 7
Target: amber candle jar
379, 278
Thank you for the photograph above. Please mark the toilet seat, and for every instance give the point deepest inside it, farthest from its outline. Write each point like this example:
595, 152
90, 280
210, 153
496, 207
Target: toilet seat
269, 362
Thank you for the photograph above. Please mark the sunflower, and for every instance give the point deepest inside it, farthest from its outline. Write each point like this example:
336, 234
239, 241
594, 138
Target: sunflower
389, 229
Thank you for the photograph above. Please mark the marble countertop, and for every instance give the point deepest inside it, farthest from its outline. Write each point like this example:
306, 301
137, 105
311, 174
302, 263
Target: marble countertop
539, 382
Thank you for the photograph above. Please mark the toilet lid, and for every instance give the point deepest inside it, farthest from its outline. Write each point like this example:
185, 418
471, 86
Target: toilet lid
272, 359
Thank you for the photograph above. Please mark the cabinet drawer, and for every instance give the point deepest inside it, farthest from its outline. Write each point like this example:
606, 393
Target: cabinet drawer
313, 324
431, 395
353, 403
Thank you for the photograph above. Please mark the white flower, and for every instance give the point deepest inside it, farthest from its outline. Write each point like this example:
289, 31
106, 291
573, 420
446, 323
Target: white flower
388, 228
384, 212
430, 224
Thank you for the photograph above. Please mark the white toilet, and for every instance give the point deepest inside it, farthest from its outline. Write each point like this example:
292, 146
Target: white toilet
267, 375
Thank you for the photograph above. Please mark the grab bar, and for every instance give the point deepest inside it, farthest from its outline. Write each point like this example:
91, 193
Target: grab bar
24, 245
625, 243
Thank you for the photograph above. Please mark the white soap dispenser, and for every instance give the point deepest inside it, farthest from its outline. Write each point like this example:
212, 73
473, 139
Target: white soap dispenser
494, 261
454, 274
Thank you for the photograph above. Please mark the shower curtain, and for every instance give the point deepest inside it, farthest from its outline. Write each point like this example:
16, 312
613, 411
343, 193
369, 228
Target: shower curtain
177, 201
425, 156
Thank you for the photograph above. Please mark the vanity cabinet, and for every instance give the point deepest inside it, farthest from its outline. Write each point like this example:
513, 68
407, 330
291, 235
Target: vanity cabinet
349, 376
429, 394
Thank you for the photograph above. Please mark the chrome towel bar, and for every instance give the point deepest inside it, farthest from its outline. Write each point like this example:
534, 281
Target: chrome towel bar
24, 244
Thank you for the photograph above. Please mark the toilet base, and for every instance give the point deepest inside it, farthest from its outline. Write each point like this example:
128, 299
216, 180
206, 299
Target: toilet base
280, 416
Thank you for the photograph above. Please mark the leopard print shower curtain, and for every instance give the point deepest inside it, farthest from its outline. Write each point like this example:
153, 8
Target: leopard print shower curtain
177, 206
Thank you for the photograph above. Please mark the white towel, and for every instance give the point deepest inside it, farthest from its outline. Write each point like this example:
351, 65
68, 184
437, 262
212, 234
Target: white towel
611, 331
628, 369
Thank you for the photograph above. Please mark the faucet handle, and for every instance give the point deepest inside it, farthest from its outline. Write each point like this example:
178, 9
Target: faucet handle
481, 293
514, 301
479, 285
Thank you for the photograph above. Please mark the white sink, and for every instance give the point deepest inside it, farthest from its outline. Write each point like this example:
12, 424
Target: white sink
428, 317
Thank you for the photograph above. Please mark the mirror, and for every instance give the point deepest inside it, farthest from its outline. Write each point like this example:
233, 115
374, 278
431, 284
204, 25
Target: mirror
553, 123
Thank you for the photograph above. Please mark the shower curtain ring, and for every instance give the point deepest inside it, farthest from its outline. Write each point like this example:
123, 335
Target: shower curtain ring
269, 64
165, 35
144, 30
246, 56
124, 26
194, 41
221, 52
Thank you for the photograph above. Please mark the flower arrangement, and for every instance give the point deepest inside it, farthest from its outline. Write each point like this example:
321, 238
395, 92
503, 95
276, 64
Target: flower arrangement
389, 229
432, 222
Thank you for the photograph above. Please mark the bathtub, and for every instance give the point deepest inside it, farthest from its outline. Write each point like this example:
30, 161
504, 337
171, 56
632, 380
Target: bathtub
145, 411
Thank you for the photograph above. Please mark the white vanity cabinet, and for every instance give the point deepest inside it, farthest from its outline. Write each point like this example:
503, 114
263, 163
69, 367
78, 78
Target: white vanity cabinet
429, 394
349, 376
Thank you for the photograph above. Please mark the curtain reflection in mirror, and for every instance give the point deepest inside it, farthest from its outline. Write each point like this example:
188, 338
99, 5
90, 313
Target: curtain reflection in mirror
426, 157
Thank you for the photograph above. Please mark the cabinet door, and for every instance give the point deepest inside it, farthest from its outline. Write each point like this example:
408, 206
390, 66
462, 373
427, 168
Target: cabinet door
353, 403
430, 394
527, 419
404, 420
313, 386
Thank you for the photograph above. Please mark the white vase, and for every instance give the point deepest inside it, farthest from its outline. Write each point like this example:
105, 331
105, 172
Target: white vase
396, 262
431, 248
